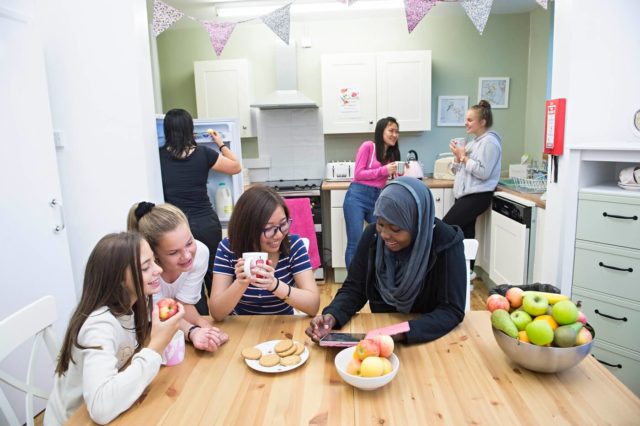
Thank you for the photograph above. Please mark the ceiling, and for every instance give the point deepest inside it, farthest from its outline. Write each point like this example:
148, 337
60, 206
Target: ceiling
206, 9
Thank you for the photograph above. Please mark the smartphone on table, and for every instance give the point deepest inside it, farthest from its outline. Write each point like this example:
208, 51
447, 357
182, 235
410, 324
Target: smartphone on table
341, 340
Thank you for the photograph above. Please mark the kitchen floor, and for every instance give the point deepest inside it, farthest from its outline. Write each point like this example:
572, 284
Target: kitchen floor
479, 294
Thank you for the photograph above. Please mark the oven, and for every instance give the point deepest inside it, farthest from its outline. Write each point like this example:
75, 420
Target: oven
305, 188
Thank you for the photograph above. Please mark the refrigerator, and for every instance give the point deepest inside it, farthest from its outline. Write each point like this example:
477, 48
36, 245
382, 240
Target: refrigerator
230, 133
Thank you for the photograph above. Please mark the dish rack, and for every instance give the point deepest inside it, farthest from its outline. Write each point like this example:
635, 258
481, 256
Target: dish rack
530, 185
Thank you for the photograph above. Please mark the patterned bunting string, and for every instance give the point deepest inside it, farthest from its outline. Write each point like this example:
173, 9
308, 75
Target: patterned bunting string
219, 33
416, 10
348, 2
164, 16
279, 21
542, 3
478, 11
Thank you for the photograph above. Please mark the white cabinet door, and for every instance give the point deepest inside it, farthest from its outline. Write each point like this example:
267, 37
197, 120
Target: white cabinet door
344, 75
338, 229
223, 91
538, 260
509, 249
35, 258
448, 201
404, 88
438, 201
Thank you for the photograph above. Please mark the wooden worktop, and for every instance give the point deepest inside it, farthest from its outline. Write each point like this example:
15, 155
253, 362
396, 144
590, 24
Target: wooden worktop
461, 378
328, 185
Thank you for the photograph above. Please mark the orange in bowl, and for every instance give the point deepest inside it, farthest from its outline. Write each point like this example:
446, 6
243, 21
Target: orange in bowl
549, 319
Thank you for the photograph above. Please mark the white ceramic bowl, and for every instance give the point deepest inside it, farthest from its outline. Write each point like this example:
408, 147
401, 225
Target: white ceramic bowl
364, 383
543, 359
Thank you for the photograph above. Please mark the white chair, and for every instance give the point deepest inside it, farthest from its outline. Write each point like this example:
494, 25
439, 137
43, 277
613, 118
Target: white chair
34, 320
470, 251
305, 241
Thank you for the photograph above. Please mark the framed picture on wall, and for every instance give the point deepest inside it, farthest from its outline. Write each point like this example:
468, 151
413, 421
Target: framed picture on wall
495, 90
451, 110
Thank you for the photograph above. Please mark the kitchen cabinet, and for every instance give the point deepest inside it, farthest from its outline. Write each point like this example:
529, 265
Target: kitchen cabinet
338, 235
360, 88
223, 91
443, 200
606, 276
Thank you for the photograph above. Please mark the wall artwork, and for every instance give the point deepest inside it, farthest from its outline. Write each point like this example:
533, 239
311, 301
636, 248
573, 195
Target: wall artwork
451, 110
495, 90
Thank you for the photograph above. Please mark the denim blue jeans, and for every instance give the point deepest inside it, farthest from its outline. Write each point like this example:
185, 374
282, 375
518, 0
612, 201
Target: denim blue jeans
358, 208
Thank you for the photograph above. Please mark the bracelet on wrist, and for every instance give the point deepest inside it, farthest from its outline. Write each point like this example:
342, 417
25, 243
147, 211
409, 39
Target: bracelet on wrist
223, 146
288, 294
277, 285
193, 327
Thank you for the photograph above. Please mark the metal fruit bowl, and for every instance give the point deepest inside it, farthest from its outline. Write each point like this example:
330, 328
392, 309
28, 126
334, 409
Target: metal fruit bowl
543, 359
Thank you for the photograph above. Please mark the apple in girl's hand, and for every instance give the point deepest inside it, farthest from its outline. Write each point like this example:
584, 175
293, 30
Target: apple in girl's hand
386, 344
366, 348
514, 296
497, 301
168, 308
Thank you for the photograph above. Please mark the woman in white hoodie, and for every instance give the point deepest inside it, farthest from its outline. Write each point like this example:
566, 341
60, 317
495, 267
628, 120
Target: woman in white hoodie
108, 330
477, 169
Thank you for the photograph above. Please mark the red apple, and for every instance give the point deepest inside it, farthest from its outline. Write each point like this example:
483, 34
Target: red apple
584, 336
353, 367
582, 317
386, 344
366, 348
497, 301
514, 296
168, 308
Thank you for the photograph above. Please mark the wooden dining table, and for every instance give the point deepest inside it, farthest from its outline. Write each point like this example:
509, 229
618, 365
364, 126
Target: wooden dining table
461, 378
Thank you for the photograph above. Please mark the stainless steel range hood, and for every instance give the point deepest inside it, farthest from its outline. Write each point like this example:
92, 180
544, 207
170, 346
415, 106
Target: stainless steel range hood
286, 95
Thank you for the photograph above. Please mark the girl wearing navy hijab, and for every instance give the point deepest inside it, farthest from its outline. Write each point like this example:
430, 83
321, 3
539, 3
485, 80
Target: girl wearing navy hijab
408, 262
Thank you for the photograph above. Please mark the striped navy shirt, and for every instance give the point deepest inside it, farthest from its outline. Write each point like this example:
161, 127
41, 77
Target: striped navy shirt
256, 301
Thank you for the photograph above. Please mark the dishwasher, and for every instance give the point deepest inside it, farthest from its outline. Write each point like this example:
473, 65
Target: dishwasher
513, 221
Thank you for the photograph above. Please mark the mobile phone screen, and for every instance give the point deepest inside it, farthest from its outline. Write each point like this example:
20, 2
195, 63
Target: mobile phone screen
341, 339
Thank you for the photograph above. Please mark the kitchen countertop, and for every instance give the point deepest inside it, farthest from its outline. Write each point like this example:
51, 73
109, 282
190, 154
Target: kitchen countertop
329, 185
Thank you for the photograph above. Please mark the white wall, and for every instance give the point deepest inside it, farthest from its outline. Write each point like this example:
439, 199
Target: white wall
596, 67
99, 74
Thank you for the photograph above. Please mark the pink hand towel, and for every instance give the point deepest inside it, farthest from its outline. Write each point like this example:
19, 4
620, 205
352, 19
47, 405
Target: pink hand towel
300, 212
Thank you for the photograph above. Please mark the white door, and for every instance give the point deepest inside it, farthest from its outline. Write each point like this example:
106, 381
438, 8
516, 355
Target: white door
223, 92
349, 93
509, 250
438, 201
404, 88
34, 258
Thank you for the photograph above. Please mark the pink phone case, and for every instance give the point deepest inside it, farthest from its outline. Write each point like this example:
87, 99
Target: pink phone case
390, 330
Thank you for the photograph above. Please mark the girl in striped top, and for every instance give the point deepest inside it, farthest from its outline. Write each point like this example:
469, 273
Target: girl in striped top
260, 223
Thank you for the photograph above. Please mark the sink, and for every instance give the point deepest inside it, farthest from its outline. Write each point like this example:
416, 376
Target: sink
528, 186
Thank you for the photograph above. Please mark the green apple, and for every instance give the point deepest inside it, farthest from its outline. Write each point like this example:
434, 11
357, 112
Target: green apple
520, 319
539, 332
534, 304
565, 312
501, 320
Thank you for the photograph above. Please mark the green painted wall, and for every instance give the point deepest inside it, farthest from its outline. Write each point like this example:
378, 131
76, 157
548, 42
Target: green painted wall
460, 55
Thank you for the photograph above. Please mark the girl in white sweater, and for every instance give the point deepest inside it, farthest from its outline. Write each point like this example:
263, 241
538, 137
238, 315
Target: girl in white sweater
109, 326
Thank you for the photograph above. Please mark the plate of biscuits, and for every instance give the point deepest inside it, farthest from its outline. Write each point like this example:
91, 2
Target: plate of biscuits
276, 356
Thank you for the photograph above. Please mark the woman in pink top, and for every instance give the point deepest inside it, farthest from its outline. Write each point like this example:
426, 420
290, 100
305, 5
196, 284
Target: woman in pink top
375, 163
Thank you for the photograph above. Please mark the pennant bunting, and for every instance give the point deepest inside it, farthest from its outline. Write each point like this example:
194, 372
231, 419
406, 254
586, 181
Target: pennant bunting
219, 33
348, 2
164, 16
542, 3
416, 10
280, 22
477, 11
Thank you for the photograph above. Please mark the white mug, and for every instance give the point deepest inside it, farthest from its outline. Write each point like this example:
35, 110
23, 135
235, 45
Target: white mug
460, 141
630, 175
251, 259
399, 168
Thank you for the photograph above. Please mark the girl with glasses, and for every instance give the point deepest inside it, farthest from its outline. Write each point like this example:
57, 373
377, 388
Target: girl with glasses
260, 222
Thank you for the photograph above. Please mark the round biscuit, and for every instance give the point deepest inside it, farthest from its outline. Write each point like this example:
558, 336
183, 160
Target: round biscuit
290, 360
283, 345
251, 353
269, 360
299, 348
288, 352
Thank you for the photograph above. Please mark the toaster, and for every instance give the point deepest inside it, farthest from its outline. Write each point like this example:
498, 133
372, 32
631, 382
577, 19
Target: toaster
442, 168
340, 170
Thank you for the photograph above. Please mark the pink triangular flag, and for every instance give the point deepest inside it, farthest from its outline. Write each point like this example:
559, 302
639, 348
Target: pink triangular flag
164, 16
416, 10
542, 3
478, 11
219, 33
279, 21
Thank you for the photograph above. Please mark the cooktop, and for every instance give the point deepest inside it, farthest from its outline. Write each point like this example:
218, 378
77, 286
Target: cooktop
294, 185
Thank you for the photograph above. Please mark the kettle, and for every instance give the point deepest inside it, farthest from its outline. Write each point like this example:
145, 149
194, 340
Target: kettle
412, 166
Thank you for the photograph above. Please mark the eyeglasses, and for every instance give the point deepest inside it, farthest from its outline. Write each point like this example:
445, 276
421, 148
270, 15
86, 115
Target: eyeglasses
273, 230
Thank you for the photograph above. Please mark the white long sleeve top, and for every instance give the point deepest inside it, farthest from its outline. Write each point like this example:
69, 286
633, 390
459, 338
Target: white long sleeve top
95, 377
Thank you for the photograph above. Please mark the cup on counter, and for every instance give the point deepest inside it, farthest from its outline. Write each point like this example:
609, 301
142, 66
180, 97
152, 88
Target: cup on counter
251, 259
173, 354
399, 168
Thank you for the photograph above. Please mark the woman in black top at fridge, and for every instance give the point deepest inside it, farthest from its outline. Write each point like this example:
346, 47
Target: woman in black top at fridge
185, 167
